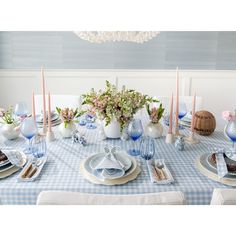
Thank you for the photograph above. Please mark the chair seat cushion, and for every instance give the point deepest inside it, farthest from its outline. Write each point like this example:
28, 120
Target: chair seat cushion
76, 198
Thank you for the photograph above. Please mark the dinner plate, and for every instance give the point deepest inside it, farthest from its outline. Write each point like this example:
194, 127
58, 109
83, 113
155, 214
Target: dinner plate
130, 175
13, 169
91, 171
6, 167
121, 156
4, 163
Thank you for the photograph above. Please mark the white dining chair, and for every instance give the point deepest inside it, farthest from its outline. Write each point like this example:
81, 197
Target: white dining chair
77, 198
223, 197
62, 101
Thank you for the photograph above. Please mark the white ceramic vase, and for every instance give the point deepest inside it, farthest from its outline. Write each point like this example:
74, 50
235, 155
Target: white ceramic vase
154, 130
10, 131
112, 130
67, 132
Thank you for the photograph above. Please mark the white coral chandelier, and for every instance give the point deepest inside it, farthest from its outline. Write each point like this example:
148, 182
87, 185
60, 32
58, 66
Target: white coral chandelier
116, 36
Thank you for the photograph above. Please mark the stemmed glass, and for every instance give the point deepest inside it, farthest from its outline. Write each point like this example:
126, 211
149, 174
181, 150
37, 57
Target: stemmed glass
231, 133
21, 110
28, 130
147, 148
135, 131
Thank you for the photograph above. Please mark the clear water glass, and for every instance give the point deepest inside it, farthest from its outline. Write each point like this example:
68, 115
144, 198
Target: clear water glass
39, 146
28, 130
231, 133
147, 148
21, 110
135, 131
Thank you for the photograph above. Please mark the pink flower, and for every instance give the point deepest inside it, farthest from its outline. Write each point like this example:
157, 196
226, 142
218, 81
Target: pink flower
226, 115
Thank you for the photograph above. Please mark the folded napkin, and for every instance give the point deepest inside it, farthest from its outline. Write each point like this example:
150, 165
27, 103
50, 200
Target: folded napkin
110, 167
15, 157
222, 169
156, 175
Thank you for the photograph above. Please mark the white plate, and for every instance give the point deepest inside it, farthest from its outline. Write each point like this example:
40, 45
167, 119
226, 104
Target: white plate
4, 163
122, 156
87, 167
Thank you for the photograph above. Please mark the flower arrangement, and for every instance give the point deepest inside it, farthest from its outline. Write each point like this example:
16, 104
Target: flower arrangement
68, 115
155, 113
228, 115
7, 116
113, 104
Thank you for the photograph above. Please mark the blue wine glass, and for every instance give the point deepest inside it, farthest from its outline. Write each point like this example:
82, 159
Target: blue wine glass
28, 130
147, 148
231, 133
21, 110
39, 146
135, 131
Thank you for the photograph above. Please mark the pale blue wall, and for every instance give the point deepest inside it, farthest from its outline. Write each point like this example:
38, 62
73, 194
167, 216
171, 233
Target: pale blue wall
64, 50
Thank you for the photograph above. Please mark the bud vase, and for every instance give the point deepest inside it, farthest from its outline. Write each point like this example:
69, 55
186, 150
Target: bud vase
154, 130
67, 131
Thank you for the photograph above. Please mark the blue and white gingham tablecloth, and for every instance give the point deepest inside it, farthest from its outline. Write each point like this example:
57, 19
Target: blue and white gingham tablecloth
61, 172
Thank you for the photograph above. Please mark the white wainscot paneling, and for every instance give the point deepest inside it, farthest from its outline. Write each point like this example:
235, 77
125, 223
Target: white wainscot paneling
217, 88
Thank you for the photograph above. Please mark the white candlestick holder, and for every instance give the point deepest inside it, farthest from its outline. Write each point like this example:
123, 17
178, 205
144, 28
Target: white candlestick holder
50, 137
170, 138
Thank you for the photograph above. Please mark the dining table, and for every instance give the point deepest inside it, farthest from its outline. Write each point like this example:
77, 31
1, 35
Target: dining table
62, 169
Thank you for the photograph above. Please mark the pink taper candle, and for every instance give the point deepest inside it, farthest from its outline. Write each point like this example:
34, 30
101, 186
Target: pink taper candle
193, 112
177, 102
33, 106
49, 113
171, 115
44, 103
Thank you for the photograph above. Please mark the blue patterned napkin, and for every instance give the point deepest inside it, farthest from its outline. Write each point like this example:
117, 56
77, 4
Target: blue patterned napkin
110, 167
221, 165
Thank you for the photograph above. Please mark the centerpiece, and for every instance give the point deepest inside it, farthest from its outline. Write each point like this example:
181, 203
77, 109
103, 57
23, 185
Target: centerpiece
115, 108
10, 129
68, 117
154, 128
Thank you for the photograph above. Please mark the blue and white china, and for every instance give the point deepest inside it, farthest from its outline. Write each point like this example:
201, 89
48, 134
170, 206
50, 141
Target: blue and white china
110, 165
21, 110
78, 138
39, 147
180, 143
135, 131
147, 148
94, 159
28, 130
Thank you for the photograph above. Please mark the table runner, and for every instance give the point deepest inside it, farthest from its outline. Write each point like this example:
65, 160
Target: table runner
61, 172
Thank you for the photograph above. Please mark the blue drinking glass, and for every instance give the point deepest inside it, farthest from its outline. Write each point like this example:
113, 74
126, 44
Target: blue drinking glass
39, 146
231, 133
147, 148
21, 110
135, 131
90, 121
28, 130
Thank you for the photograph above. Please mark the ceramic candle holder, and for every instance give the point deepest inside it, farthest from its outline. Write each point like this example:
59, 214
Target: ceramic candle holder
170, 138
50, 137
